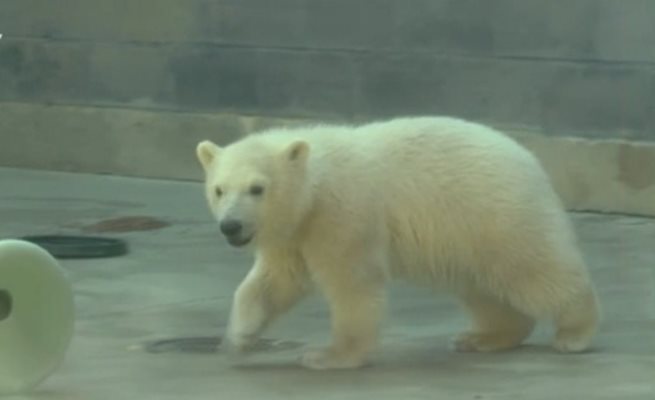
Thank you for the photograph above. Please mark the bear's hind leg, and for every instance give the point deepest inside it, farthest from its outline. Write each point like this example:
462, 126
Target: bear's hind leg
496, 326
576, 323
560, 290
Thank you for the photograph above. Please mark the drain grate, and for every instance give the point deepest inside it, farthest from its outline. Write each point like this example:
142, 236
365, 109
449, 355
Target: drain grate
211, 344
126, 224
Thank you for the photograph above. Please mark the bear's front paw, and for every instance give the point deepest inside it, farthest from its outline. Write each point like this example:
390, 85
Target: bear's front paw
328, 359
485, 342
239, 343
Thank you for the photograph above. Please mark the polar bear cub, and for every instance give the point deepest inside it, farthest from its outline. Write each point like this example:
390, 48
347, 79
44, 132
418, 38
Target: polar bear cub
432, 200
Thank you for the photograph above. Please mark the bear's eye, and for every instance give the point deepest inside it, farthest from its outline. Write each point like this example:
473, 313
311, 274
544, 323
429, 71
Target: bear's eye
256, 190
218, 191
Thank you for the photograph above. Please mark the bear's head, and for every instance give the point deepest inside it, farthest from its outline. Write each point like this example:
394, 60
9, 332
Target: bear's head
256, 188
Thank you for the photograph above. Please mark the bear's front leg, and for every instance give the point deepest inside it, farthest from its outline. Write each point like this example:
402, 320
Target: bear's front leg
263, 295
357, 302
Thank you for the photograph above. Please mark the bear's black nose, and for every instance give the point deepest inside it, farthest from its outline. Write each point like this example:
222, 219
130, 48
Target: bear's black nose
231, 227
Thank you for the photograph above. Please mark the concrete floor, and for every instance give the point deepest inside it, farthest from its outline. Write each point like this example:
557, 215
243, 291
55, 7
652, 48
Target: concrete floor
178, 281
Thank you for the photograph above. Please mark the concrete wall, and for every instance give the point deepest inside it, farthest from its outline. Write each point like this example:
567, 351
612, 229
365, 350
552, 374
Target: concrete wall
574, 67
594, 175
128, 87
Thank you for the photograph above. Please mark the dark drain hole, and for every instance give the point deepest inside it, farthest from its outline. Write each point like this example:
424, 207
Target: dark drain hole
210, 344
6, 304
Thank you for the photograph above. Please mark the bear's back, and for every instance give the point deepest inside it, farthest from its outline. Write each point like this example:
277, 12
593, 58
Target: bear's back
442, 185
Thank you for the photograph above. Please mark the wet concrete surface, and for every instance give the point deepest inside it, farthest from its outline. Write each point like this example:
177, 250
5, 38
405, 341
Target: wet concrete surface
177, 282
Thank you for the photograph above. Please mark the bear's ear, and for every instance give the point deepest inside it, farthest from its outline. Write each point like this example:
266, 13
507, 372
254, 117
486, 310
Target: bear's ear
207, 152
297, 151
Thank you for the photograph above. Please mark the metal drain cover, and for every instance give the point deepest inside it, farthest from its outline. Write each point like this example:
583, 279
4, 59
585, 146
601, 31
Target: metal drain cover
67, 246
184, 345
211, 344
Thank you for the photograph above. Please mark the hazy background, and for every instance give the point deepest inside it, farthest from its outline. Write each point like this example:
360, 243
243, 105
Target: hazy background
128, 87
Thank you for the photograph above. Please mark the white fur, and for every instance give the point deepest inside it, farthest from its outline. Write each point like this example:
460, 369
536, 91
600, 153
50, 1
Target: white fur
438, 201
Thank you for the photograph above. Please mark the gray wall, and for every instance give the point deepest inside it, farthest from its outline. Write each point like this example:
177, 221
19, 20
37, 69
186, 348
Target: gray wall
569, 67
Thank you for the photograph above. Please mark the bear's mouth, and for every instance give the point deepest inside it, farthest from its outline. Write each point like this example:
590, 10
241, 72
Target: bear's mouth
238, 241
